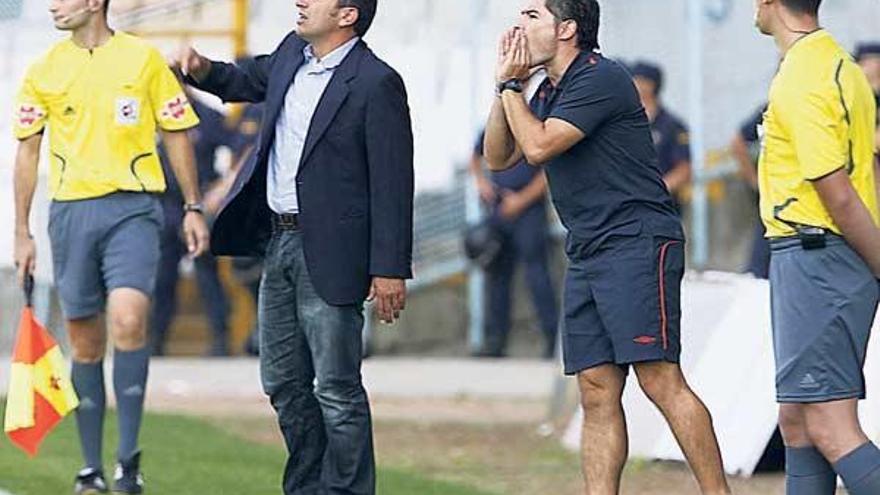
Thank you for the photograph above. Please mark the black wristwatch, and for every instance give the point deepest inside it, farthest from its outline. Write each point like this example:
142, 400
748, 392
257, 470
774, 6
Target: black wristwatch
194, 207
514, 85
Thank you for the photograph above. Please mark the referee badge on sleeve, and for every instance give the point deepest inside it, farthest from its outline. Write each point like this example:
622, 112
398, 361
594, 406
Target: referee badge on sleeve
28, 115
128, 111
175, 108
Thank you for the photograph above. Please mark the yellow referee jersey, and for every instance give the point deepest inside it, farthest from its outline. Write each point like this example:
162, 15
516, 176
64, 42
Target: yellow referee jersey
102, 108
820, 119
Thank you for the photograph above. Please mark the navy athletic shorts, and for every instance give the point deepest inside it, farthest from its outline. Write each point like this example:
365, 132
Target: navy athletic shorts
622, 303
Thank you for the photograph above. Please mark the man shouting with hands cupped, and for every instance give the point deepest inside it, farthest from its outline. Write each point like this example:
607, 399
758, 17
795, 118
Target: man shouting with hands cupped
587, 128
327, 198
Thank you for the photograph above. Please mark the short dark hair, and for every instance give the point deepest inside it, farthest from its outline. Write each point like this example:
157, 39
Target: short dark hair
810, 7
585, 13
106, 6
366, 14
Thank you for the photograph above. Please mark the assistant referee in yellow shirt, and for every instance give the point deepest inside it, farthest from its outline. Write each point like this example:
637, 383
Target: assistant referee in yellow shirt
819, 205
102, 95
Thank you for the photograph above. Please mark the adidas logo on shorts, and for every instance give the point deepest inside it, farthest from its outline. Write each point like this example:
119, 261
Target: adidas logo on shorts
809, 382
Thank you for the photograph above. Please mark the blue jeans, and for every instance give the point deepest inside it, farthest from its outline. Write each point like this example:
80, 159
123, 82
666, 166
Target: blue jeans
310, 359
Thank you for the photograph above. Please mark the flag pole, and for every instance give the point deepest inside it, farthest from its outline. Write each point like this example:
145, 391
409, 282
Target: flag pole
29, 290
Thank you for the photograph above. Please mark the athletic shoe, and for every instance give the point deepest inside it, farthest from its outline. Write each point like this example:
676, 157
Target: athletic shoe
127, 478
90, 481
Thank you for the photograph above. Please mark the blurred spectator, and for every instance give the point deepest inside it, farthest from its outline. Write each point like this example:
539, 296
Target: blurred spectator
207, 138
868, 57
745, 148
247, 270
516, 199
670, 134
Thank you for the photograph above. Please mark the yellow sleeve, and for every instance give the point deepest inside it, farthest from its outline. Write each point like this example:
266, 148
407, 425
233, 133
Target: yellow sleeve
31, 113
818, 131
171, 107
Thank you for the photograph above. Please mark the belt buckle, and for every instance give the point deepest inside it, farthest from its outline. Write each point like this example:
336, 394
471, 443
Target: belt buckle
812, 238
287, 221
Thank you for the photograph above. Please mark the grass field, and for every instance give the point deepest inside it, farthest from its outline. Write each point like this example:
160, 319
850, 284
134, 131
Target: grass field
183, 456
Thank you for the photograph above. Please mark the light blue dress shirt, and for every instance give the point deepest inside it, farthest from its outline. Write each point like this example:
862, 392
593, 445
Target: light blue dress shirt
293, 124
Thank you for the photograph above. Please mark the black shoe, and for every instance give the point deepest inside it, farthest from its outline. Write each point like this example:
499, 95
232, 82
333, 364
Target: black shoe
127, 478
252, 344
489, 353
90, 481
218, 350
549, 351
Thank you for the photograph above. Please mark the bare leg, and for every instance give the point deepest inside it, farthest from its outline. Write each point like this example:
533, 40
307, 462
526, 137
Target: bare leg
833, 427
691, 423
127, 319
604, 442
88, 340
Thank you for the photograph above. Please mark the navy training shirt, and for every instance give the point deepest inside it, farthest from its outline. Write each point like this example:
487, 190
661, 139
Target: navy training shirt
672, 141
607, 184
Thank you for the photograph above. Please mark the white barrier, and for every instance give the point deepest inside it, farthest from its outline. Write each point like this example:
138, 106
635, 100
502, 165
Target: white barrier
728, 360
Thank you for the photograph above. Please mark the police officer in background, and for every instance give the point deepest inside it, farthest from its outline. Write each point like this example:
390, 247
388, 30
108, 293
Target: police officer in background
745, 148
670, 135
248, 270
868, 57
207, 138
517, 202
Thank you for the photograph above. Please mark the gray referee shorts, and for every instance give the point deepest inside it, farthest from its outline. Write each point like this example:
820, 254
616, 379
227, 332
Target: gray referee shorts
102, 244
823, 306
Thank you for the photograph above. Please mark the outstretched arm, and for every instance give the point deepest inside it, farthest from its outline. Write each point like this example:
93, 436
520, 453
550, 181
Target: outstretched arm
245, 82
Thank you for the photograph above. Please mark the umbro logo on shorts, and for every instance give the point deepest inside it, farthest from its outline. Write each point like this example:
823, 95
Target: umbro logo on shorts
645, 340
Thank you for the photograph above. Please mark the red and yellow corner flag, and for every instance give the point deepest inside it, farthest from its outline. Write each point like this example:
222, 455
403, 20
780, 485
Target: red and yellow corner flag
40, 391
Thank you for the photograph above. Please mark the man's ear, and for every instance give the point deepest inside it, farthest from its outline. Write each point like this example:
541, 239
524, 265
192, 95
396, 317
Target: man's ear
566, 30
348, 16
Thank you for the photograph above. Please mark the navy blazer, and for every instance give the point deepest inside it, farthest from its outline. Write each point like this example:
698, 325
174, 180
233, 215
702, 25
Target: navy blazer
355, 179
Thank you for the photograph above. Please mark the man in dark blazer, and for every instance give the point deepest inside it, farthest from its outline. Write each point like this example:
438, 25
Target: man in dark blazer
327, 199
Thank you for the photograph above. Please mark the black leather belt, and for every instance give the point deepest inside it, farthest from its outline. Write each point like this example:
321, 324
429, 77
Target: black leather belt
285, 221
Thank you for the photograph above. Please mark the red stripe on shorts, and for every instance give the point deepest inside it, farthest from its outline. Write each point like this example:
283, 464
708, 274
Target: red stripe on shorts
664, 322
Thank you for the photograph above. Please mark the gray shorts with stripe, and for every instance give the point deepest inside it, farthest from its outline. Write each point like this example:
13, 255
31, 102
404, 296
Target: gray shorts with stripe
823, 306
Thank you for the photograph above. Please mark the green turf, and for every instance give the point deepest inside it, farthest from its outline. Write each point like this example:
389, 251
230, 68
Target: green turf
181, 456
